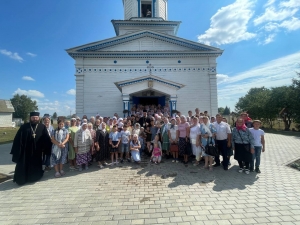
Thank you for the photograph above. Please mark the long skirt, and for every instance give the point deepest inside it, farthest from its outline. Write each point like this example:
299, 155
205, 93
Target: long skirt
184, 147
101, 154
165, 142
62, 159
241, 154
83, 158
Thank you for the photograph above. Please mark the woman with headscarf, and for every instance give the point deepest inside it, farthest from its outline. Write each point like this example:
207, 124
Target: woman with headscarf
243, 145
93, 134
71, 154
173, 137
207, 133
101, 145
59, 137
184, 138
194, 133
165, 136
82, 144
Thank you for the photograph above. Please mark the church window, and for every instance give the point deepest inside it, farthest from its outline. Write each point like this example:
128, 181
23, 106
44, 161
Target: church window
179, 61
146, 8
147, 61
115, 61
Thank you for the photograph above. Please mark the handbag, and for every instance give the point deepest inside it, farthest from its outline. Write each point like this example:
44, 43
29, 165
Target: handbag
174, 148
210, 148
246, 146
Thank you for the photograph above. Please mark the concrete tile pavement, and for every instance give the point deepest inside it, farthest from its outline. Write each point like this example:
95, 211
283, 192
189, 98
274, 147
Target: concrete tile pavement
166, 194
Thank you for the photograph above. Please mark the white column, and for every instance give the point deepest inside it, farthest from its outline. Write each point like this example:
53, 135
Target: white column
213, 94
173, 103
126, 105
79, 94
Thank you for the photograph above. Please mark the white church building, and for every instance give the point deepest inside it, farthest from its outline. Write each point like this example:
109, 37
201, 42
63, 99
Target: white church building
145, 63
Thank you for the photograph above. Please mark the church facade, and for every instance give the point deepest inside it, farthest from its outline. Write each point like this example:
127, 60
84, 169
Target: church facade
145, 63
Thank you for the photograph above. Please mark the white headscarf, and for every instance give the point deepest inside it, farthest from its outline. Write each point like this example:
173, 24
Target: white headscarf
83, 132
206, 128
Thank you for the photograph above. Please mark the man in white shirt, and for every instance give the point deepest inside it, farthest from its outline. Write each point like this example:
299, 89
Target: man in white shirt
223, 140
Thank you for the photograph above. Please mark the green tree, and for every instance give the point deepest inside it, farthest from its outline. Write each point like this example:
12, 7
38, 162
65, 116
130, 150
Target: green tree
296, 98
257, 103
23, 105
282, 100
226, 111
221, 110
54, 115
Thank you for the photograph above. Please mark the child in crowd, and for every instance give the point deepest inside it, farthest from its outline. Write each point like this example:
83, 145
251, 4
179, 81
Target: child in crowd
114, 141
156, 153
142, 138
135, 149
148, 138
259, 146
125, 136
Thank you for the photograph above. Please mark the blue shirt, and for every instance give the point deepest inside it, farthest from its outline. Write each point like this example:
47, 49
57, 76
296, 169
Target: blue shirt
203, 131
114, 136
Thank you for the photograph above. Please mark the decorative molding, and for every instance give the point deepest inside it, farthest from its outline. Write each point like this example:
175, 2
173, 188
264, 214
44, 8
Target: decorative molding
79, 70
174, 40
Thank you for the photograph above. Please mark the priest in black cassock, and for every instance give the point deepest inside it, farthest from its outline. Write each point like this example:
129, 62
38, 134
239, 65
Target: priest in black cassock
31, 140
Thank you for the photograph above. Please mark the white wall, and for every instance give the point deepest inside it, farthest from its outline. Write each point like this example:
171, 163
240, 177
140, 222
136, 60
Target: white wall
5, 119
97, 93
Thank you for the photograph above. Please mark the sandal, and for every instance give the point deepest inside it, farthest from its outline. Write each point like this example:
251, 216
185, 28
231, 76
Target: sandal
62, 173
57, 174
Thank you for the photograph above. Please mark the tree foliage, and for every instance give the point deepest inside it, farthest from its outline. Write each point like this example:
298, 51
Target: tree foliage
269, 104
296, 98
221, 110
258, 105
54, 116
226, 111
23, 105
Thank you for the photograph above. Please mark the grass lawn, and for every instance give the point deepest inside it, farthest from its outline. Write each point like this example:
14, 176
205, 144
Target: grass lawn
9, 136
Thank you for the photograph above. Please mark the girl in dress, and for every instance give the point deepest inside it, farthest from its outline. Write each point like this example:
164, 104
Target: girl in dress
156, 153
59, 138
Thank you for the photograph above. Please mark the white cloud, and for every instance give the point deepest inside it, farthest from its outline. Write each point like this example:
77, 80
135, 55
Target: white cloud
27, 78
290, 4
270, 2
31, 54
229, 24
62, 107
269, 39
274, 73
290, 25
271, 14
221, 78
12, 55
54, 92
30, 93
71, 92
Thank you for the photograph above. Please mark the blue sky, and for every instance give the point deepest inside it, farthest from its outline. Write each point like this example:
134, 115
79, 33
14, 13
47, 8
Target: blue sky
260, 39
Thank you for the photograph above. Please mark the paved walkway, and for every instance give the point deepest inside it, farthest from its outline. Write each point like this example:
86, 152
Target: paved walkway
166, 194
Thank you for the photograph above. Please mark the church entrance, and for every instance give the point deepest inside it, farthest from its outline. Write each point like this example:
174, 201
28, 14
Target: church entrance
149, 97
149, 100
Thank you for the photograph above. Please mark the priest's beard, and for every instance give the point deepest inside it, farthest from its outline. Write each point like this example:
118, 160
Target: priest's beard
34, 121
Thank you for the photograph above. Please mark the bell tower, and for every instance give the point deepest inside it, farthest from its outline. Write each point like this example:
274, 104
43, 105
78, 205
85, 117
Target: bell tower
142, 15
145, 9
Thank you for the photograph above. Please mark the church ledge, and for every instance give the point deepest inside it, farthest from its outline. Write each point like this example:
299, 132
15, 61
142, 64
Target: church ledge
143, 55
94, 46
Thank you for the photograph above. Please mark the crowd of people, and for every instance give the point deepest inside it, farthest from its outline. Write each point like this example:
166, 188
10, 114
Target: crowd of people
150, 131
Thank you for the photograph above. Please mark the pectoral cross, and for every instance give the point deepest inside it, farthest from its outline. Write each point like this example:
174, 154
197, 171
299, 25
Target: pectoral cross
33, 135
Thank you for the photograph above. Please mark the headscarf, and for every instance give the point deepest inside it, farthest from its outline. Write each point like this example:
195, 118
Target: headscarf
83, 132
207, 128
243, 127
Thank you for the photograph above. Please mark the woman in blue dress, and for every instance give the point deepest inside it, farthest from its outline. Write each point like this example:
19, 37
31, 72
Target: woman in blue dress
59, 138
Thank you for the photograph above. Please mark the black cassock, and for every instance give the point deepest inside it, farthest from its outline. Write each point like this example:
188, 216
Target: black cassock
27, 152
